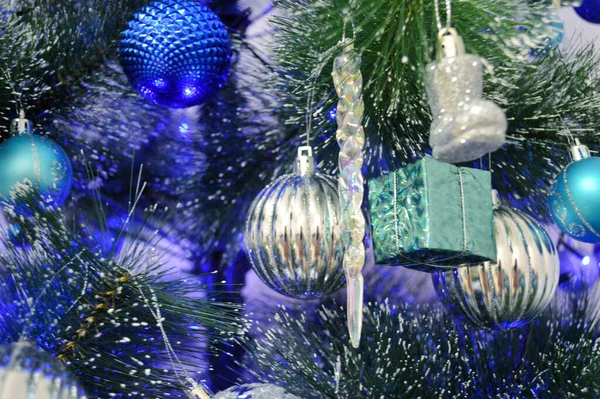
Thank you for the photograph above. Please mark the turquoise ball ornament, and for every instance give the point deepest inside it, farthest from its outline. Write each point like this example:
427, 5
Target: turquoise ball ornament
575, 197
29, 161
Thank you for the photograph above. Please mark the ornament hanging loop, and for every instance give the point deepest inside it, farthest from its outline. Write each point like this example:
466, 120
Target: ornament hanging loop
438, 16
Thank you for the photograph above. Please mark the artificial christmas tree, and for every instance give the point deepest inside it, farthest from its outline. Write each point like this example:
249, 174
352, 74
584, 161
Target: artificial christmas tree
88, 283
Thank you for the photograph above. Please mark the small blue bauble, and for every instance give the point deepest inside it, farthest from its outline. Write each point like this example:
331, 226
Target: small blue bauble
589, 10
575, 200
176, 53
28, 160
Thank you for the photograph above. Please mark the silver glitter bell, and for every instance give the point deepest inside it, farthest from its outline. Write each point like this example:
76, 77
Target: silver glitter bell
465, 127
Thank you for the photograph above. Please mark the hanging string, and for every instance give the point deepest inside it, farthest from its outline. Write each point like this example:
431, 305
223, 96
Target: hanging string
570, 138
153, 306
438, 14
309, 104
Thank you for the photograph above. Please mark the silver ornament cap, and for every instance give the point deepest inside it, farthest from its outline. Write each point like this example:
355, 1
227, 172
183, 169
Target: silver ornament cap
450, 44
199, 392
21, 125
579, 151
305, 163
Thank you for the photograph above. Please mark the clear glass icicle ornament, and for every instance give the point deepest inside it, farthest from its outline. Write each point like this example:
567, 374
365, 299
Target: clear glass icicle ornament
348, 83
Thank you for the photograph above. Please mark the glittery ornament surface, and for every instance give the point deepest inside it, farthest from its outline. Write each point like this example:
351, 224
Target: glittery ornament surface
513, 291
465, 127
176, 53
351, 139
26, 372
575, 200
255, 391
293, 235
589, 10
29, 161
432, 214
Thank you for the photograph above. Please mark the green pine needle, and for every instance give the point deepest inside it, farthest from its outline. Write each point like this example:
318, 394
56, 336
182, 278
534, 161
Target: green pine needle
102, 314
421, 352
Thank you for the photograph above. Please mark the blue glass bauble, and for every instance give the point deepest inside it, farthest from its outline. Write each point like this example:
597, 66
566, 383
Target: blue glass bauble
176, 53
575, 200
29, 160
589, 10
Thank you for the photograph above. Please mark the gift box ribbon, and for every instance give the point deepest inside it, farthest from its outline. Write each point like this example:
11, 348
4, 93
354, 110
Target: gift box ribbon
464, 223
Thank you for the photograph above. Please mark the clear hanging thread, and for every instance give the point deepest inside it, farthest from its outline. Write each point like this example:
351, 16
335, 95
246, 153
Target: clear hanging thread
438, 16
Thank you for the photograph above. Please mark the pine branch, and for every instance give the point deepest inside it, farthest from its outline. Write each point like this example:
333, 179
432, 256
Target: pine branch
421, 352
103, 315
537, 87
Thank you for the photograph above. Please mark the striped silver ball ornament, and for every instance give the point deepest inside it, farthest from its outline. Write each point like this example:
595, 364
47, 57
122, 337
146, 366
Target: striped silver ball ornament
510, 293
255, 391
293, 233
29, 373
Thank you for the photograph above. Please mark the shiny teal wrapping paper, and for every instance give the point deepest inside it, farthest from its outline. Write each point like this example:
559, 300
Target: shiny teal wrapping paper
418, 219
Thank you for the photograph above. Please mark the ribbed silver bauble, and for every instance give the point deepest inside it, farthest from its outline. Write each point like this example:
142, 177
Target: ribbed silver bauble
513, 291
293, 233
255, 391
29, 373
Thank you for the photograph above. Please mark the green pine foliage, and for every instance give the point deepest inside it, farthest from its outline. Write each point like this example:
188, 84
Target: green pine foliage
543, 91
111, 316
48, 45
422, 352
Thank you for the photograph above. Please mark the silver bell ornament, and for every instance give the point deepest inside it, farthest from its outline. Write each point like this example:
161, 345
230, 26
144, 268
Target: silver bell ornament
510, 293
293, 233
465, 127
29, 373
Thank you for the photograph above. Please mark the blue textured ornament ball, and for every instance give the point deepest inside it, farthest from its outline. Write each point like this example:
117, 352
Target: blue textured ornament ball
575, 200
176, 53
29, 160
589, 10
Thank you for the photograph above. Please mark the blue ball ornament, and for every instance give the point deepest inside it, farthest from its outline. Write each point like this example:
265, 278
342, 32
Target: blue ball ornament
589, 10
31, 161
176, 53
575, 197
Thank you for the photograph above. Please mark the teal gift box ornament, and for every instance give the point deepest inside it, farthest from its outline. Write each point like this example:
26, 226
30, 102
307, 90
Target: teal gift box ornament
432, 215
575, 196
32, 163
